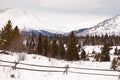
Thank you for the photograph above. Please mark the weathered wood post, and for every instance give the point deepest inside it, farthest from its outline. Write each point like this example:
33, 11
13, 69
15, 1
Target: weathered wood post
14, 68
66, 69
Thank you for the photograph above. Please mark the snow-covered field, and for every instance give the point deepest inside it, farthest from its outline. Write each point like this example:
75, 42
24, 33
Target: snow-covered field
5, 72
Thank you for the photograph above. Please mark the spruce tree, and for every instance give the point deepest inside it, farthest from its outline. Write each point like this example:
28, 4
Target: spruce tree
105, 53
83, 55
16, 31
54, 49
6, 35
72, 51
46, 51
61, 50
39, 49
16, 43
116, 51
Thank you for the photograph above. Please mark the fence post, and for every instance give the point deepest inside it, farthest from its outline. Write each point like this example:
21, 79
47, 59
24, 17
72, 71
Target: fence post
119, 77
66, 69
14, 68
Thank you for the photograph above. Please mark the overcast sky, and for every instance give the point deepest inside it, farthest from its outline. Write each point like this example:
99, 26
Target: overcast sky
84, 13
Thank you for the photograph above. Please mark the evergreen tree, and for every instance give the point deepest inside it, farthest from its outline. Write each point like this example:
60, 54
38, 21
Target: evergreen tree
46, 51
54, 49
83, 55
116, 51
6, 35
72, 51
16, 31
114, 64
61, 50
39, 49
105, 53
16, 44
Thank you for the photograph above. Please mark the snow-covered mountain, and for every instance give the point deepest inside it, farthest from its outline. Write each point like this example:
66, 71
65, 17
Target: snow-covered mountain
44, 32
110, 26
31, 21
27, 21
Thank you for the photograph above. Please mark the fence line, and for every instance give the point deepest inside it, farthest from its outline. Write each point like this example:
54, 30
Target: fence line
57, 66
60, 71
33, 64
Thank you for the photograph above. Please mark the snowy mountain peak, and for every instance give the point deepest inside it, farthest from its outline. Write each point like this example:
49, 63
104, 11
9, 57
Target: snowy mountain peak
25, 20
110, 26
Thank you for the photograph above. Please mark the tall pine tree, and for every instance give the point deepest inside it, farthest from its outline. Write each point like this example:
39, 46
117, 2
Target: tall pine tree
105, 53
6, 35
46, 47
39, 49
17, 41
54, 49
72, 51
61, 50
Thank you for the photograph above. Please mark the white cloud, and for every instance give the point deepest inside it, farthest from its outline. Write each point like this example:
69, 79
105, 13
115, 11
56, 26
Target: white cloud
70, 4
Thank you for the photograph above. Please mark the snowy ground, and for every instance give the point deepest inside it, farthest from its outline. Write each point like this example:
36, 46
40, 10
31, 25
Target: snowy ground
5, 72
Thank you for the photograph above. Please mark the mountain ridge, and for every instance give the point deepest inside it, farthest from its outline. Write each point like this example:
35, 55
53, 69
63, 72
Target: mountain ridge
110, 26
30, 21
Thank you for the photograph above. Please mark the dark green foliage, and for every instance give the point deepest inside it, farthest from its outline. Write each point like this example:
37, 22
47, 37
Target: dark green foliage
79, 47
15, 31
93, 52
7, 35
105, 53
46, 47
116, 51
72, 51
83, 55
97, 57
114, 64
39, 49
54, 49
61, 50
99, 40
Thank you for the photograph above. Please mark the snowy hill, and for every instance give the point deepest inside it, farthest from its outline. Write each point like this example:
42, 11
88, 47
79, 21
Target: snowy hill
110, 26
26, 21
31, 21
100, 70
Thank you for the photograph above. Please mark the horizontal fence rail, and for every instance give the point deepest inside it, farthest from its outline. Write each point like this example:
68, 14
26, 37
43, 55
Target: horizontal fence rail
66, 68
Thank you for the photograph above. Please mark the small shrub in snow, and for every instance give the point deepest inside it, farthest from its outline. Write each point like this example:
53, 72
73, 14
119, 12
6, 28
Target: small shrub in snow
21, 56
115, 64
97, 57
105, 53
12, 76
83, 55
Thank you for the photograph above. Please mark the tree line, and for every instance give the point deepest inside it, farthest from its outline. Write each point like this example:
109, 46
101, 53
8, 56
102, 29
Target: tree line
61, 47
53, 47
99, 40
